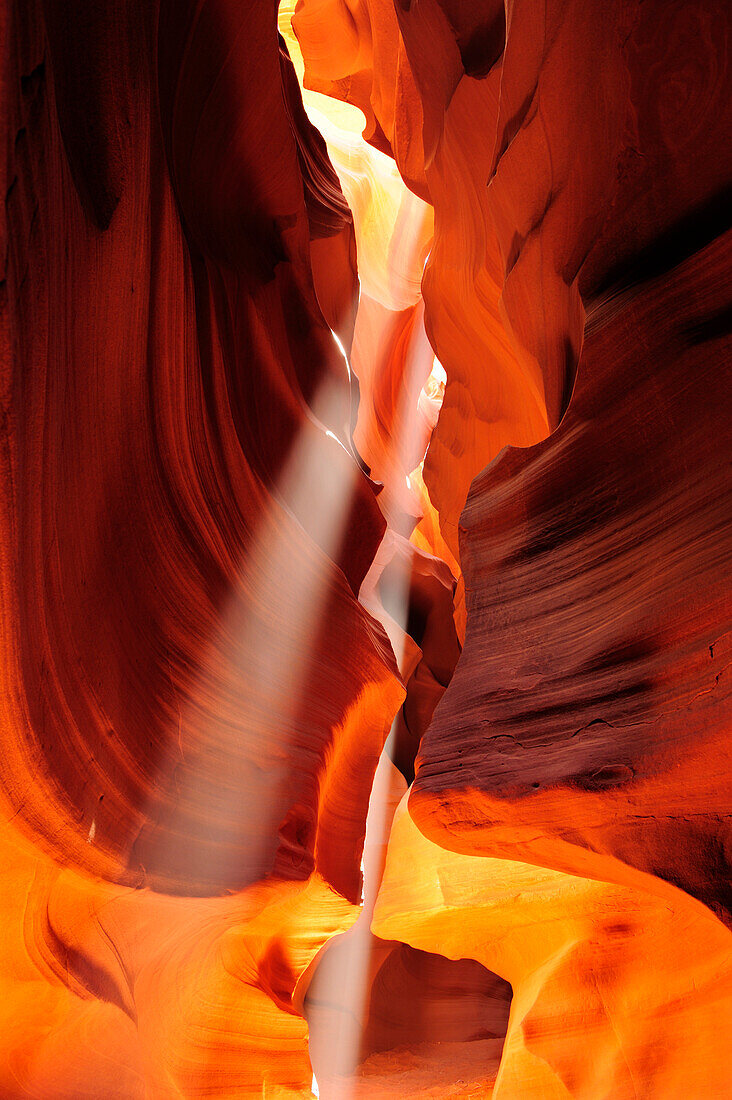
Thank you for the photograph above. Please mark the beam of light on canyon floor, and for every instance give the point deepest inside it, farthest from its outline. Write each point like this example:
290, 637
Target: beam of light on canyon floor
273, 616
271, 623
338, 1000
392, 226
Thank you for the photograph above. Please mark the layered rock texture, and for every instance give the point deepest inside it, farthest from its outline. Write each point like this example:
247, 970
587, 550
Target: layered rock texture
365, 559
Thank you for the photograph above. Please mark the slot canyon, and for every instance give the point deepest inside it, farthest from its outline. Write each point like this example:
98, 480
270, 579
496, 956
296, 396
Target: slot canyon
365, 553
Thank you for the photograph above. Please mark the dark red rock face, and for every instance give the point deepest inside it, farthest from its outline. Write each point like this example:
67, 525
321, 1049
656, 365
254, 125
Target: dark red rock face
598, 622
365, 558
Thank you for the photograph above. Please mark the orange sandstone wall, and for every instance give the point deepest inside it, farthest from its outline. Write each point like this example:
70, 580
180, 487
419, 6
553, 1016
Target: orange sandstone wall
247, 541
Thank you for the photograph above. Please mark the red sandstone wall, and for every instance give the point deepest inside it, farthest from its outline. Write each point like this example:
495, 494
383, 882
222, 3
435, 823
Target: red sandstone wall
228, 569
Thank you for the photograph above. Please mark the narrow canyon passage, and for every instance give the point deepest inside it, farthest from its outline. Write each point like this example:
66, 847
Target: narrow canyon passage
376, 1007
365, 557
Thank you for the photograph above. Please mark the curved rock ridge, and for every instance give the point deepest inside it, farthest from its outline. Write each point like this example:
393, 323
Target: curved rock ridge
111, 991
617, 992
587, 725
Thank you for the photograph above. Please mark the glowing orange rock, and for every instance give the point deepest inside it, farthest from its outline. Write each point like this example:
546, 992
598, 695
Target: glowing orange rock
617, 991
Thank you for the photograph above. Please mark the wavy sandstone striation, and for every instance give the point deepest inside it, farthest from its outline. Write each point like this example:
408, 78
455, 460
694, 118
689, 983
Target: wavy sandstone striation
366, 528
194, 701
586, 729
